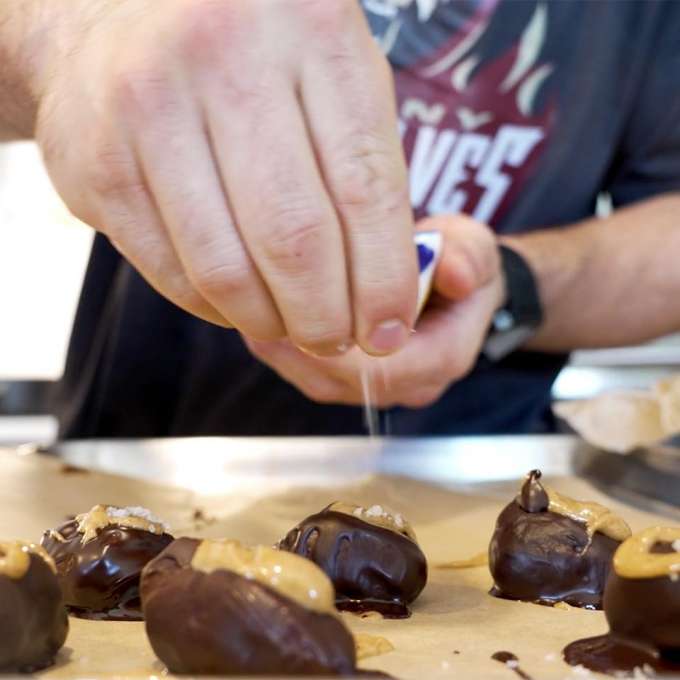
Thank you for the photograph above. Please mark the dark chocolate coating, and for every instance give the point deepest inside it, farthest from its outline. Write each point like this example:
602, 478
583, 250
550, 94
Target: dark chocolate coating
100, 578
646, 610
545, 557
364, 561
644, 622
615, 656
223, 624
33, 619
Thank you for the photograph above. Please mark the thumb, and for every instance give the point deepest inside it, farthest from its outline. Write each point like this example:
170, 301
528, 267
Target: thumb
469, 258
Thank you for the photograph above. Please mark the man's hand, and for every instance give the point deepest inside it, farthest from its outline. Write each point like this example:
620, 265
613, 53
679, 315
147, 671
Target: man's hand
469, 288
242, 155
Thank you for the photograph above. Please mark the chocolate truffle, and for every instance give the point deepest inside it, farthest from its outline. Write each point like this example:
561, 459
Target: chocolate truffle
219, 608
642, 606
100, 556
33, 620
548, 548
370, 554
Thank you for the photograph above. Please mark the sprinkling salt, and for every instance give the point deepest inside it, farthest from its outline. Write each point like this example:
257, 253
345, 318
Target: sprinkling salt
134, 511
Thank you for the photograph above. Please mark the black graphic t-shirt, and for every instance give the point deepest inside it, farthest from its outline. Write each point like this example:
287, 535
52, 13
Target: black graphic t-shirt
518, 113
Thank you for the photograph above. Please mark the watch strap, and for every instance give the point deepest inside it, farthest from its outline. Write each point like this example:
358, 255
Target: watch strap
515, 322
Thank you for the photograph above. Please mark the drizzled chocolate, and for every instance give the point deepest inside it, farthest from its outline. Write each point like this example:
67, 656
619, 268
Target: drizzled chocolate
99, 562
547, 548
33, 620
642, 606
512, 662
241, 623
370, 555
533, 497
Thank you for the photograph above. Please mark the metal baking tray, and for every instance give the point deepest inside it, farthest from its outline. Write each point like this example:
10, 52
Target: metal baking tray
646, 479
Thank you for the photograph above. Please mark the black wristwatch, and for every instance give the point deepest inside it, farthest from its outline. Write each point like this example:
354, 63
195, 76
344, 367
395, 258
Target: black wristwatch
521, 314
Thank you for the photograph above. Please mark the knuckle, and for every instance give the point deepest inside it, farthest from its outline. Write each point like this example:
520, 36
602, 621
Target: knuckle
143, 94
295, 236
186, 297
223, 280
215, 41
112, 171
208, 27
365, 178
328, 17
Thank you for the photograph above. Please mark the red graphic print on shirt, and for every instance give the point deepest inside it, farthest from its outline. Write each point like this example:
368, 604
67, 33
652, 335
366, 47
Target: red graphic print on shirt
472, 129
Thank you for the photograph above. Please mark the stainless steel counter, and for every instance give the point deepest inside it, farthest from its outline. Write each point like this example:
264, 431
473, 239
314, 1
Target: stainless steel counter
15, 430
218, 465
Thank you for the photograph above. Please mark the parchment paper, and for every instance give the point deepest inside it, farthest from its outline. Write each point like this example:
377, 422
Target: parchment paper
623, 420
455, 628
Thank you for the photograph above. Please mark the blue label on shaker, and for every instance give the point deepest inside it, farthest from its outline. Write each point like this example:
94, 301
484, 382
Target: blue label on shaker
429, 245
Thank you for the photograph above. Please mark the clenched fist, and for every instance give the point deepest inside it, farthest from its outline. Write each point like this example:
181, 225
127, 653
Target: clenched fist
469, 287
243, 155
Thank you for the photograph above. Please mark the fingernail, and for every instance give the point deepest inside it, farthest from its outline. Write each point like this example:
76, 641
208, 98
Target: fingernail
388, 337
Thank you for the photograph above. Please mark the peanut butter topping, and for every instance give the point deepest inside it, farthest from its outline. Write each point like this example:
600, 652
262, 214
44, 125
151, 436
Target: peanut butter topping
290, 575
635, 559
102, 516
371, 645
596, 517
378, 516
15, 558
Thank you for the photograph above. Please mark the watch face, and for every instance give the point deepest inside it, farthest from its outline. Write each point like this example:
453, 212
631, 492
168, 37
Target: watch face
499, 344
503, 321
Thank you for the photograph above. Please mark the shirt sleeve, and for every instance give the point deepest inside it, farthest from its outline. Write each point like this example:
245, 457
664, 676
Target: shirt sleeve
648, 160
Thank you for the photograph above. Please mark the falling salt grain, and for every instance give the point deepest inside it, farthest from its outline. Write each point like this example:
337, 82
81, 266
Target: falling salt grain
550, 657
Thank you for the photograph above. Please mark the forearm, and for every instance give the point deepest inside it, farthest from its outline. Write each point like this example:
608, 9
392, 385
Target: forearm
24, 33
608, 282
